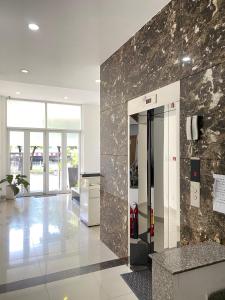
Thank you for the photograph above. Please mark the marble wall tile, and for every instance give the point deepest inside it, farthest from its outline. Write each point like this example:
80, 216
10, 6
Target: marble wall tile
111, 83
203, 34
114, 230
114, 131
152, 59
114, 175
203, 94
157, 51
199, 224
129, 69
149, 60
116, 76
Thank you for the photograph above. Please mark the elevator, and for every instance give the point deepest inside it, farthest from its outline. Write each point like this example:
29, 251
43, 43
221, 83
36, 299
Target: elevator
154, 194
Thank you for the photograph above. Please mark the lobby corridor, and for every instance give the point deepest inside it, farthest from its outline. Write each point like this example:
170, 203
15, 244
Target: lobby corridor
47, 253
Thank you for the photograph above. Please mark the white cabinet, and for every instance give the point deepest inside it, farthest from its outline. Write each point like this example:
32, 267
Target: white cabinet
90, 200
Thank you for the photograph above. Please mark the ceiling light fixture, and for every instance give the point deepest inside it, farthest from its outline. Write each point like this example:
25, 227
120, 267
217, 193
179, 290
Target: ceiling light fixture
18, 93
97, 80
33, 27
65, 98
24, 71
186, 59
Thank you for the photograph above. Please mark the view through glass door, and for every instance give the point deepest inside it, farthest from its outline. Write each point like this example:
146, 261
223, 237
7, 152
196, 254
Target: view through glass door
36, 170
55, 163
49, 159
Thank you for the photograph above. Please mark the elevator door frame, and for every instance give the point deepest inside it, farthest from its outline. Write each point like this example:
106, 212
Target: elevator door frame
168, 95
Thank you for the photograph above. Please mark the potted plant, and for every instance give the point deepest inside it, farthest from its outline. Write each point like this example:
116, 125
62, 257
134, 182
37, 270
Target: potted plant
14, 183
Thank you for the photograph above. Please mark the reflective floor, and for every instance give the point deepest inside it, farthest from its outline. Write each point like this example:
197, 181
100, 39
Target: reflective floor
43, 237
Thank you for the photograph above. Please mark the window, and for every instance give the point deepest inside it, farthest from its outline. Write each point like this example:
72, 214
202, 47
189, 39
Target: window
33, 114
62, 116
26, 114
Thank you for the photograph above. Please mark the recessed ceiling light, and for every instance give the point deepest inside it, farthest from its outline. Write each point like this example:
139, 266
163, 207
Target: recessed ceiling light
24, 71
33, 27
18, 93
65, 98
97, 80
186, 59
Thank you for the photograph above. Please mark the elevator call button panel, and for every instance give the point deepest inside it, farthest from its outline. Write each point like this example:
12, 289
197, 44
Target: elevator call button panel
195, 182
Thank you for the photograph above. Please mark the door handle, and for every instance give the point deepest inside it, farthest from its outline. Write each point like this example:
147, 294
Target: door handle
44, 167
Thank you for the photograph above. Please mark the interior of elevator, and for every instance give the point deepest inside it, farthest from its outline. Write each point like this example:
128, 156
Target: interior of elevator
154, 184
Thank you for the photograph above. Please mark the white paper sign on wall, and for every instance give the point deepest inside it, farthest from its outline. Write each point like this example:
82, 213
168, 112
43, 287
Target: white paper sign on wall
219, 193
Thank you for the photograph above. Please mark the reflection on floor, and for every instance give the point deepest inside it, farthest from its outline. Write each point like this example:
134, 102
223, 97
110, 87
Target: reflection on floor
43, 246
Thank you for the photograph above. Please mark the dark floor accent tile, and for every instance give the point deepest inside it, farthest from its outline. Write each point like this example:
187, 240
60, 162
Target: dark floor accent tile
32, 282
22, 284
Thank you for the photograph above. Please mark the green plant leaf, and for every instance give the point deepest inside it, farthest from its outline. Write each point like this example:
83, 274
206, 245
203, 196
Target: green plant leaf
17, 182
3, 180
9, 178
15, 189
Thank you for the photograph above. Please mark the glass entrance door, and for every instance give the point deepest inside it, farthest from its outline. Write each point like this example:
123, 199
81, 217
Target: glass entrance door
72, 158
55, 161
49, 159
63, 161
37, 162
16, 152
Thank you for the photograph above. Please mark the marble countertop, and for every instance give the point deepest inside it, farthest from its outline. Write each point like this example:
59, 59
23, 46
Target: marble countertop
179, 260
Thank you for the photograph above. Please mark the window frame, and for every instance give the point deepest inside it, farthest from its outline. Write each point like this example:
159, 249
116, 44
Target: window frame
45, 128
57, 103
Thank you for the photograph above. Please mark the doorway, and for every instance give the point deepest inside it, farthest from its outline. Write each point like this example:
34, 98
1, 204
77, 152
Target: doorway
154, 181
50, 159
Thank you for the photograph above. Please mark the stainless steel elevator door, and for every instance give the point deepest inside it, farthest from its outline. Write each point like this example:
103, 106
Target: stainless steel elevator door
153, 182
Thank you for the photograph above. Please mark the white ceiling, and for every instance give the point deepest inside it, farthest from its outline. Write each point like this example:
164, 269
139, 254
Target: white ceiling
47, 93
75, 37
121, 19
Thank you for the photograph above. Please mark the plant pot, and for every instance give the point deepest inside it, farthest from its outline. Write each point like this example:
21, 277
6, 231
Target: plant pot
9, 193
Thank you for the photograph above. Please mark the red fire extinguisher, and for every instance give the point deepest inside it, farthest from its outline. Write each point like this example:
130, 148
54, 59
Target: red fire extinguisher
152, 223
131, 222
135, 221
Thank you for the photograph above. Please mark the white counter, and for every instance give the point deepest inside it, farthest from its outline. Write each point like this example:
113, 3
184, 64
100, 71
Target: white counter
90, 201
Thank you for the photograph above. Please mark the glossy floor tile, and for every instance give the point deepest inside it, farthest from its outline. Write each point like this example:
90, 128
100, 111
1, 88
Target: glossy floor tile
43, 236
106, 284
102, 285
35, 293
111, 281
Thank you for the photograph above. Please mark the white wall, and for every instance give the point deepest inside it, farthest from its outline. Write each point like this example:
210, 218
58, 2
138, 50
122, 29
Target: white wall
3, 134
90, 139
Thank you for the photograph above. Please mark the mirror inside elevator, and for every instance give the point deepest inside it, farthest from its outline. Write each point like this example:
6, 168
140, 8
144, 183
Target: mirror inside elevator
154, 183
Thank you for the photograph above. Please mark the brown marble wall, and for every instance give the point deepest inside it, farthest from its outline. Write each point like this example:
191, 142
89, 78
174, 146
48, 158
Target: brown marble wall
203, 94
152, 58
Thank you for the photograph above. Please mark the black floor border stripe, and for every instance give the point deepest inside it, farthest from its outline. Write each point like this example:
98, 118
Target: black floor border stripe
48, 278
